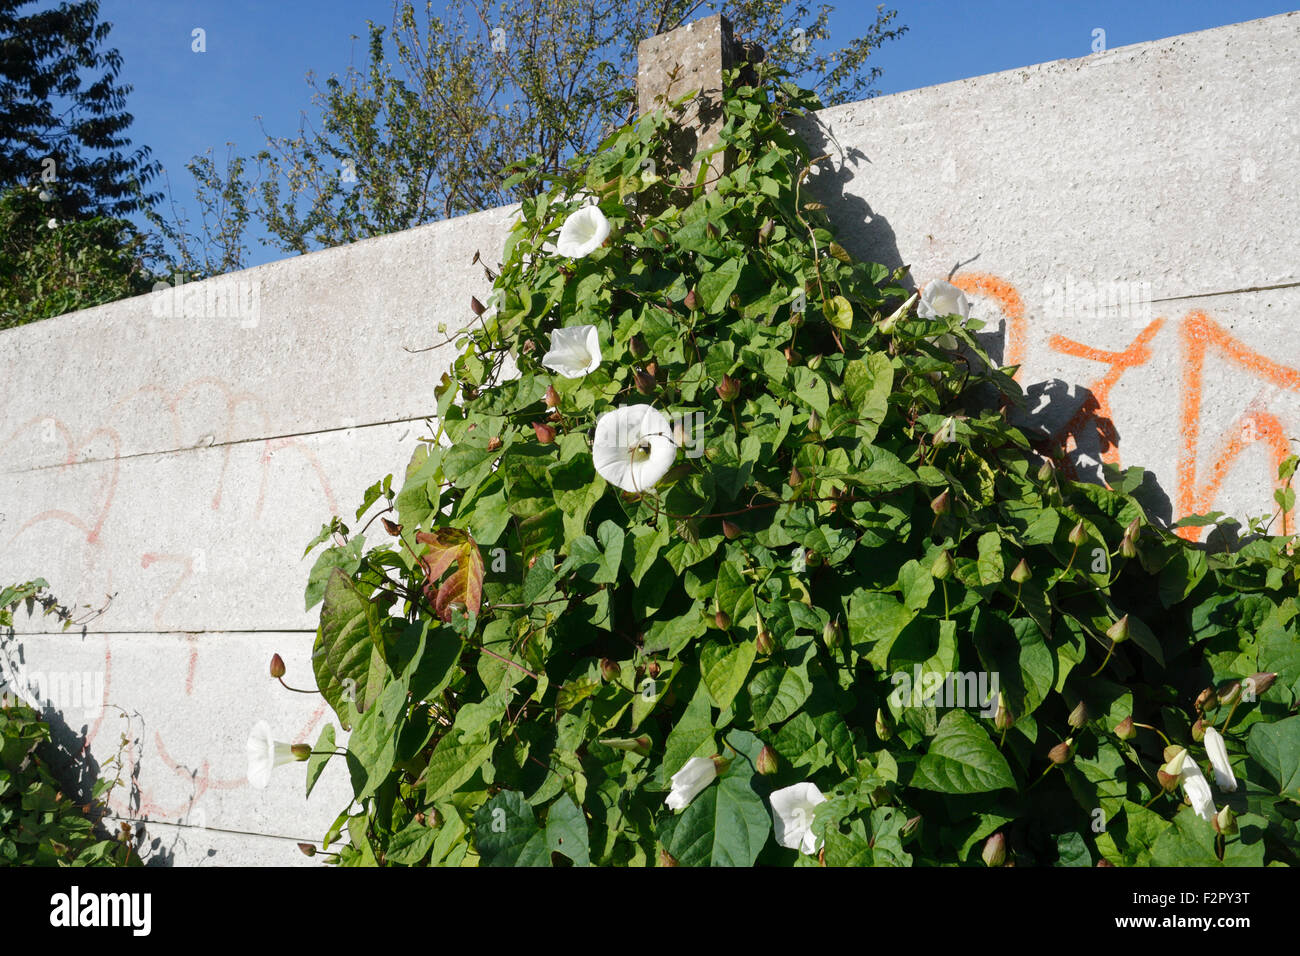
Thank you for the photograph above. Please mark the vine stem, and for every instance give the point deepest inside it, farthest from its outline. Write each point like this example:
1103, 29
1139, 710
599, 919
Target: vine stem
1106, 660
296, 690
1156, 729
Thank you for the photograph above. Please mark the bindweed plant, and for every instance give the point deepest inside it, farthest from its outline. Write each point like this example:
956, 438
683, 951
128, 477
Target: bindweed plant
726, 551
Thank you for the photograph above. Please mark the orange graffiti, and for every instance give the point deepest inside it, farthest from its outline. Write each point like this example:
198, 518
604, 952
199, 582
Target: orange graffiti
1199, 335
1013, 307
1096, 409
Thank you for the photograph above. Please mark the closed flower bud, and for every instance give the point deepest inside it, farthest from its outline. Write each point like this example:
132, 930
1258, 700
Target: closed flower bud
1198, 729
308, 849
1045, 471
888, 324
995, 850
1225, 821
301, 751
722, 619
1229, 693
796, 479
942, 503
728, 389
1127, 547
884, 726
1174, 756
765, 230
910, 826
1104, 862
691, 300
494, 443
1118, 632
391, 527
644, 381
1169, 781
552, 397
1260, 683
477, 306
1125, 730
277, 666
712, 229
609, 668
831, 634
767, 762
636, 345
1062, 752
1078, 717
791, 356
1078, 534
763, 642
1003, 719
814, 422
1020, 574
665, 859
661, 237
942, 566
730, 530
1207, 700
545, 433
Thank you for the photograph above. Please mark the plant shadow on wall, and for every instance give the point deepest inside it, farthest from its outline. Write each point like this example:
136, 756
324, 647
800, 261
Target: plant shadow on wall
76, 788
748, 564
1055, 410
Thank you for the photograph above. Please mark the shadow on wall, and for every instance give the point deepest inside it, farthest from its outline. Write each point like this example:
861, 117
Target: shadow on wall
1057, 414
67, 754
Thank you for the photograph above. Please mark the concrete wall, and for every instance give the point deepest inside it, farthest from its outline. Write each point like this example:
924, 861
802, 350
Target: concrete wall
179, 451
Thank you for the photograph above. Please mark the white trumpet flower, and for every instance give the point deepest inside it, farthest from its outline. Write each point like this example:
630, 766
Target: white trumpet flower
1218, 752
792, 812
1197, 789
575, 351
265, 753
943, 298
582, 233
697, 774
634, 447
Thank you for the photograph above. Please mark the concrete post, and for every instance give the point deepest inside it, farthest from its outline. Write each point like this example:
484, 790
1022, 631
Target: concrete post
672, 64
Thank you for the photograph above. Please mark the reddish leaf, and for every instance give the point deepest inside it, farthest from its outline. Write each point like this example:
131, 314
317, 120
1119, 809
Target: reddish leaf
465, 585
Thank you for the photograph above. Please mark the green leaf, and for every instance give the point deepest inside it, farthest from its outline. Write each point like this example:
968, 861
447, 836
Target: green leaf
691, 737
962, 759
724, 669
506, 832
776, 693
566, 831
991, 568
346, 558
1277, 749
727, 824
321, 754
411, 844
452, 764
346, 641
839, 312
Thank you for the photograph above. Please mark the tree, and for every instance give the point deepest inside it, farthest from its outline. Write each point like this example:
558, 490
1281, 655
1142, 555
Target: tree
51, 267
431, 132
62, 116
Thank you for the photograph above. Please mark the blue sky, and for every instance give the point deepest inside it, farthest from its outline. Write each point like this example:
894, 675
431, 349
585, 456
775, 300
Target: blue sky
258, 54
